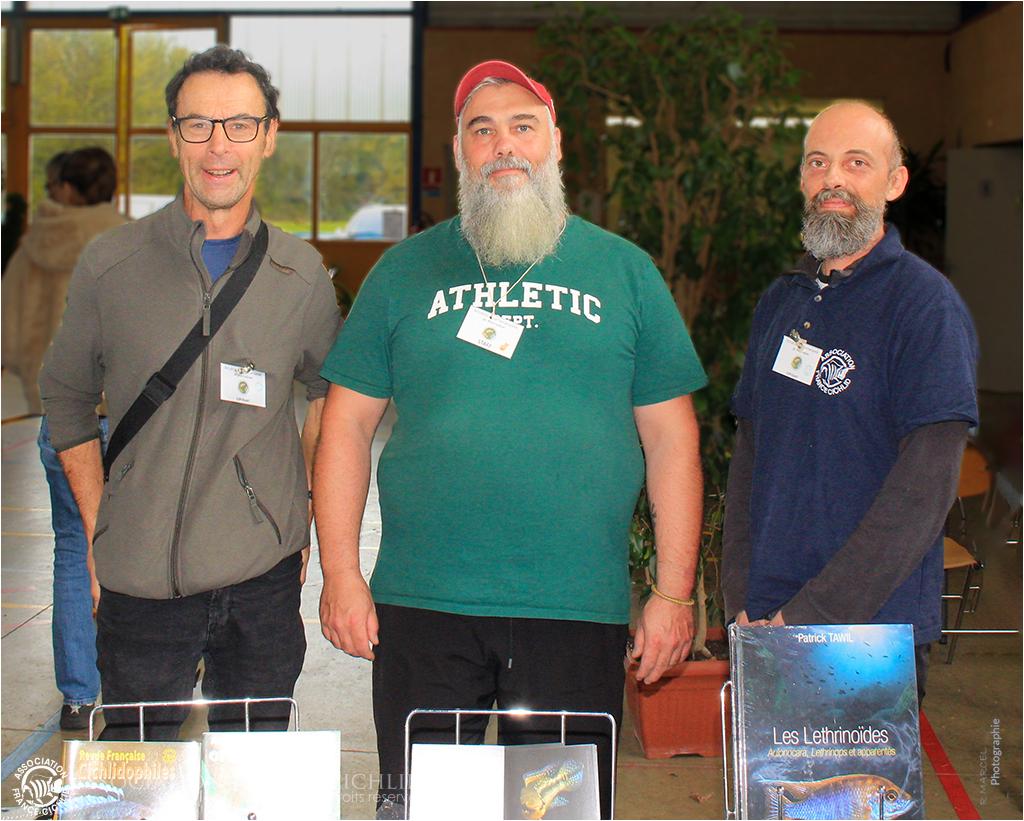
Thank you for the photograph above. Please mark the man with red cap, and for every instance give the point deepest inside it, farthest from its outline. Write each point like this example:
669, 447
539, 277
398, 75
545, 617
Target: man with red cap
529, 355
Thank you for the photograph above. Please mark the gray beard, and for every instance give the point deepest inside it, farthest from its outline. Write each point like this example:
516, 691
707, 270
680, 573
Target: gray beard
831, 235
508, 226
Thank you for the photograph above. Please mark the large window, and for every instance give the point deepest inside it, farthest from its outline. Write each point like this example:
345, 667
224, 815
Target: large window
342, 166
341, 171
91, 82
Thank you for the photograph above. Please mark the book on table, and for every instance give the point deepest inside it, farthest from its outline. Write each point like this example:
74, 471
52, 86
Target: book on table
826, 722
489, 781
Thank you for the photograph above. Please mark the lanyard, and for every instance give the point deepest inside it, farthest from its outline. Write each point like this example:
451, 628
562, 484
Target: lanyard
522, 276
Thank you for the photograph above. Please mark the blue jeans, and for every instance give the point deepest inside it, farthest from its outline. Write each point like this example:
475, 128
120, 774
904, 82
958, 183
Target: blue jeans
74, 631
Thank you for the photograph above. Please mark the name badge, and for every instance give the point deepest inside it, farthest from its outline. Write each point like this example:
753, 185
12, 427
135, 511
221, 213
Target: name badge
491, 332
797, 360
242, 384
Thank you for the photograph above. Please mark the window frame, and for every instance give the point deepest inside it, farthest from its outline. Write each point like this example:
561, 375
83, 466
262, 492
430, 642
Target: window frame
18, 130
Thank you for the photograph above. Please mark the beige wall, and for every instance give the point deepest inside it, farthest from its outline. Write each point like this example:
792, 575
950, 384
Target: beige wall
985, 80
902, 72
447, 55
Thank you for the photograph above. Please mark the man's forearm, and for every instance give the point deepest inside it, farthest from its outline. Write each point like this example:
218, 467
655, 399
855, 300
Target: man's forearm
311, 435
83, 466
736, 543
894, 535
676, 491
341, 478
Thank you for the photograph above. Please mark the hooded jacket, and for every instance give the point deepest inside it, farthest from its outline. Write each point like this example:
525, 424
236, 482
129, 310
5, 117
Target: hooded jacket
210, 492
35, 284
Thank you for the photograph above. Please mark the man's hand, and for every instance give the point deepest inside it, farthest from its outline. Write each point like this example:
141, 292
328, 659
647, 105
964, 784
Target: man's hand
94, 583
663, 637
305, 565
348, 618
777, 620
744, 621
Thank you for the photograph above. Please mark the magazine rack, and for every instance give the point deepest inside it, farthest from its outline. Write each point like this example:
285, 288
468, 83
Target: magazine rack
198, 702
730, 811
458, 713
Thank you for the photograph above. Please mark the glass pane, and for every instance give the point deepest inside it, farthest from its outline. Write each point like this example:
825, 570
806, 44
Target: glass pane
155, 178
42, 148
72, 77
364, 182
156, 57
284, 191
333, 68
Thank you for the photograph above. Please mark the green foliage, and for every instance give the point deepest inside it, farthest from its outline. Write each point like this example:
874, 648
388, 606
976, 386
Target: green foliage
358, 170
73, 77
683, 130
284, 191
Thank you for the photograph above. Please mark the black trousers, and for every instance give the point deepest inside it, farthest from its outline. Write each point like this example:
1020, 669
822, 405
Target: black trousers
428, 659
249, 634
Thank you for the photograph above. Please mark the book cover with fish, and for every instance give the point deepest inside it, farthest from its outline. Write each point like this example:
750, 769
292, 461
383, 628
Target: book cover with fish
272, 775
826, 722
551, 781
130, 779
529, 781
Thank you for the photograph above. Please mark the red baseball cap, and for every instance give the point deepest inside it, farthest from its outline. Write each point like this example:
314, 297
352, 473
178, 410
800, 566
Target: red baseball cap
503, 71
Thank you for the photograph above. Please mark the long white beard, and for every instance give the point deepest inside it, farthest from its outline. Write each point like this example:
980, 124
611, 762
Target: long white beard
831, 235
513, 225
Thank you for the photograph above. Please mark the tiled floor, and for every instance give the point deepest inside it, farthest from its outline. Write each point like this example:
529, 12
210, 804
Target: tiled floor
983, 683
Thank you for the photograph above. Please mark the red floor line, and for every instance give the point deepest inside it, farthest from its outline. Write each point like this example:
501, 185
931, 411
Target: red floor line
948, 777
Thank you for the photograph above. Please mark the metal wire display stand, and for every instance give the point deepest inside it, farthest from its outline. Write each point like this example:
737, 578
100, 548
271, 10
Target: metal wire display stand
732, 752
563, 714
199, 702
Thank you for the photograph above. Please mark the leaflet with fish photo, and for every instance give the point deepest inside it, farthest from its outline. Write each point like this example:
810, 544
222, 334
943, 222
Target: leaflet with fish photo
489, 781
272, 775
826, 722
130, 779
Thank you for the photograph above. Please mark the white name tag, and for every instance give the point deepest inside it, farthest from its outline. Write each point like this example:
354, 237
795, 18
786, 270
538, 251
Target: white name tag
242, 384
796, 360
491, 332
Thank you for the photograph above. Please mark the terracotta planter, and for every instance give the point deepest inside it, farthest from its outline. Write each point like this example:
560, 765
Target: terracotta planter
679, 713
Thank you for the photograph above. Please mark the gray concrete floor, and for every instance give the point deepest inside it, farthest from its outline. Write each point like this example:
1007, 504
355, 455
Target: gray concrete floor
964, 698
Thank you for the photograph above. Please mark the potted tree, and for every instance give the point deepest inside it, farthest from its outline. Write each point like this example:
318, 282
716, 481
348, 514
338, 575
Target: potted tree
684, 138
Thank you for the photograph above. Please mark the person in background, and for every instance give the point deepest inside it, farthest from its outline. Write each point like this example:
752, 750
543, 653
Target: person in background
15, 212
80, 187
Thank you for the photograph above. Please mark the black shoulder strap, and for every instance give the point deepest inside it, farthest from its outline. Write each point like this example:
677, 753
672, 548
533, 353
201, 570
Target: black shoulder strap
164, 382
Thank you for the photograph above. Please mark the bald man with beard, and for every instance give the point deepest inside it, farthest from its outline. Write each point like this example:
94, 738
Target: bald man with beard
529, 354
853, 408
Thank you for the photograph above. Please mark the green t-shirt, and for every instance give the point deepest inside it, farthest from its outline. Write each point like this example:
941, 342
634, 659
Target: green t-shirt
508, 485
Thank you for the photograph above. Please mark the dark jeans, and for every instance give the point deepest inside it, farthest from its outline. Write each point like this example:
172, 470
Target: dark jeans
428, 659
249, 634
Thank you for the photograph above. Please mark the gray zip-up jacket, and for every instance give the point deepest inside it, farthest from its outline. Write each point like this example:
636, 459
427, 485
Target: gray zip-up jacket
209, 493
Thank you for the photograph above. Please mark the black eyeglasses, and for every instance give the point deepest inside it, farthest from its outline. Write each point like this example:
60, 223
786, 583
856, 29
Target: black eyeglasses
240, 129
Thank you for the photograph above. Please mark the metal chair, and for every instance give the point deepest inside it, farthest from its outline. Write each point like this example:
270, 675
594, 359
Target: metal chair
957, 557
975, 480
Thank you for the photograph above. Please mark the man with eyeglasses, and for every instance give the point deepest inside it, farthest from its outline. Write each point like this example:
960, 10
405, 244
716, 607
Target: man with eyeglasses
199, 518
